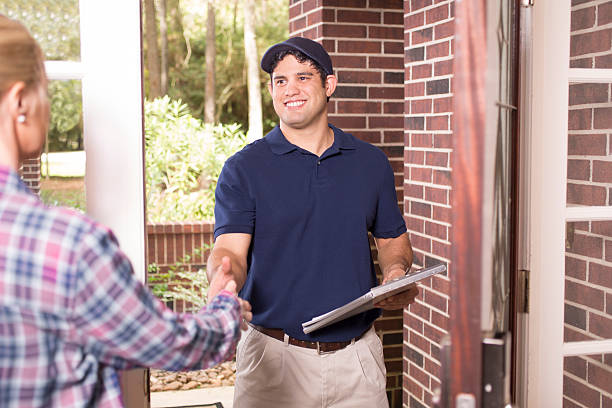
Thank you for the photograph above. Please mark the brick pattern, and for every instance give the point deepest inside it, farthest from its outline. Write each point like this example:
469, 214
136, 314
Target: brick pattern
587, 380
589, 166
428, 39
169, 243
365, 40
30, 174
591, 34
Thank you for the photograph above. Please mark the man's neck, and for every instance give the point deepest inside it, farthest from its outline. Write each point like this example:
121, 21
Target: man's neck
316, 140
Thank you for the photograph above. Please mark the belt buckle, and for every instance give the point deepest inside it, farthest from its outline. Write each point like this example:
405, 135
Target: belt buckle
319, 351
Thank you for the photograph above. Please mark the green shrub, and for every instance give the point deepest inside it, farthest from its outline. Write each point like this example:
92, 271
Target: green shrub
183, 159
180, 283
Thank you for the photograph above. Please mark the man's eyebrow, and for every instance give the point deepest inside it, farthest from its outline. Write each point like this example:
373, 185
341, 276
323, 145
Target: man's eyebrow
304, 73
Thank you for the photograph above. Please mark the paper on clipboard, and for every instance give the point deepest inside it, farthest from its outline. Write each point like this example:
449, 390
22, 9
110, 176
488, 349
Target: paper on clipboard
367, 301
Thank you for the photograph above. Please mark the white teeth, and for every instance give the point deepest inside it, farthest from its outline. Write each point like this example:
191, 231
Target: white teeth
293, 104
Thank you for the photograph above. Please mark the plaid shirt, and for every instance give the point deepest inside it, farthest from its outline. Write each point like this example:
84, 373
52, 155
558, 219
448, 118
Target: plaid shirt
72, 314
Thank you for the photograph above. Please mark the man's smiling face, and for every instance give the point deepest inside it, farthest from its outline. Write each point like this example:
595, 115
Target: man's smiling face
298, 95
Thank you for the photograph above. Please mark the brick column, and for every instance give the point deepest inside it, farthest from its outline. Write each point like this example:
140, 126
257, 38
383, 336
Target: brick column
365, 40
428, 35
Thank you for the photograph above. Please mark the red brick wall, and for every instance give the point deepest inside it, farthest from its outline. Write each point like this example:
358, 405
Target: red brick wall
366, 42
587, 380
428, 39
30, 174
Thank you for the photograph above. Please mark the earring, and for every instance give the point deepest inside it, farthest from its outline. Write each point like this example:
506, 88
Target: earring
21, 119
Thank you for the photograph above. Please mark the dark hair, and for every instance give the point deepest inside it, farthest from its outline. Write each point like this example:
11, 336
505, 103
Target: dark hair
301, 57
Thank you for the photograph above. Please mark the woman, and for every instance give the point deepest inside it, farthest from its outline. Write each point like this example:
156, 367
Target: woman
71, 312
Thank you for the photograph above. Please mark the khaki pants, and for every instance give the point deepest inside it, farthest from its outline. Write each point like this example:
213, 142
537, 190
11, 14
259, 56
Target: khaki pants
271, 373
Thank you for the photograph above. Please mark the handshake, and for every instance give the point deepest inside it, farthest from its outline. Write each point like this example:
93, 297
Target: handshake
223, 279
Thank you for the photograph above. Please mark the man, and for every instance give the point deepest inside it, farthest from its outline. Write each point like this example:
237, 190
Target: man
71, 312
293, 212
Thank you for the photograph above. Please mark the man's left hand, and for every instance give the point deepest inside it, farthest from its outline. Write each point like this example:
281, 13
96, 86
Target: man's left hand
399, 300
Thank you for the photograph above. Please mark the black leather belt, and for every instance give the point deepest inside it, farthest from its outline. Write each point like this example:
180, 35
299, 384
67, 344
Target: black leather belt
320, 346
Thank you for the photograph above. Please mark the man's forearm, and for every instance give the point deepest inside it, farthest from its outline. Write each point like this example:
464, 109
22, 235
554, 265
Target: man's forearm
238, 266
394, 255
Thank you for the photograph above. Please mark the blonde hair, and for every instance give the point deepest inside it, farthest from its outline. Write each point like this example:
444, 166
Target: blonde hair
21, 58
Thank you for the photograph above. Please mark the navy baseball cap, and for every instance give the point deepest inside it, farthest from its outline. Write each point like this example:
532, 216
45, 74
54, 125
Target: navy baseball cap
310, 48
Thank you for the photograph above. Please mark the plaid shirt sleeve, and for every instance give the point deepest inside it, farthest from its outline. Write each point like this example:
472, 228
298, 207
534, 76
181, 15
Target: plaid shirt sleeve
124, 325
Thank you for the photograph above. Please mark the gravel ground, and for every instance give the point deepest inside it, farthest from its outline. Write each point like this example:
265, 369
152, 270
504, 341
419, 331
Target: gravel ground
221, 375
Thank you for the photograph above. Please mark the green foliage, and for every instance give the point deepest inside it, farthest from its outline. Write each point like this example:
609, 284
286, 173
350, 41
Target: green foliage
183, 161
66, 127
55, 25
187, 81
180, 283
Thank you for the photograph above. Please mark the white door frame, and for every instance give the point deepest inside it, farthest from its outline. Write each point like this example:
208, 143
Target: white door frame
113, 121
544, 197
111, 54
547, 181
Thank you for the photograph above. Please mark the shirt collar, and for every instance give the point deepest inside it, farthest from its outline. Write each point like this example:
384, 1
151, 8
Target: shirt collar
10, 181
280, 145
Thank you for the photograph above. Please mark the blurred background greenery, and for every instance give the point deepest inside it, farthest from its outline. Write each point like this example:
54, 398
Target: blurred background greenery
176, 73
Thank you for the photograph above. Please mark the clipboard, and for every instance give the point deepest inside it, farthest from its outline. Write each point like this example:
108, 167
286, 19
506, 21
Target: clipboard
366, 301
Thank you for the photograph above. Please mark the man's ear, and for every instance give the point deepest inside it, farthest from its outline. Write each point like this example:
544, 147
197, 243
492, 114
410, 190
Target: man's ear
270, 87
330, 85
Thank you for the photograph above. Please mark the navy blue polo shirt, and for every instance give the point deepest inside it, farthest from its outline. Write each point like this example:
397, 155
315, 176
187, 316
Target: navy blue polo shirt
309, 218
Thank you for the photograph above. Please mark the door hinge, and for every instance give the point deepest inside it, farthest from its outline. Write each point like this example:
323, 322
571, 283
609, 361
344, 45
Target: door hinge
527, 3
522, 301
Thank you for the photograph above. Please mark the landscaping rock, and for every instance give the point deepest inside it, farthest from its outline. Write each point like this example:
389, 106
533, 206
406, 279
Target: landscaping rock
222, 375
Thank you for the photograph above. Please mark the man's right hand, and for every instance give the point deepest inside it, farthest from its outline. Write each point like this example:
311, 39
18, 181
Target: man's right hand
221, 277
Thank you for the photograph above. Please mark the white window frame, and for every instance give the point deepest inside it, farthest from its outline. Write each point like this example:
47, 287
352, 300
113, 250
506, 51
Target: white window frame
547, 78
111, 75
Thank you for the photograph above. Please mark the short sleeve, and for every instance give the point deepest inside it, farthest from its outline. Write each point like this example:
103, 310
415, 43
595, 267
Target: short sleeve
389, 222
234, 206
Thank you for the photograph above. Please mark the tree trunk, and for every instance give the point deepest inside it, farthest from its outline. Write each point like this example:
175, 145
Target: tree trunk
178, 51
152, 50
211, 51
254, 85
163, 32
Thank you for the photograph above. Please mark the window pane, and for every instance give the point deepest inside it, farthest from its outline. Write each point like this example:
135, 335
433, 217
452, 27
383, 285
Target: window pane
54, 24
589, 160
63, 163
587, 381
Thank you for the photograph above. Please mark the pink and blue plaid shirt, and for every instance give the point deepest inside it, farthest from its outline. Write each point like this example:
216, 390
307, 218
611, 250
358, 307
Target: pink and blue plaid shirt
72, 314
